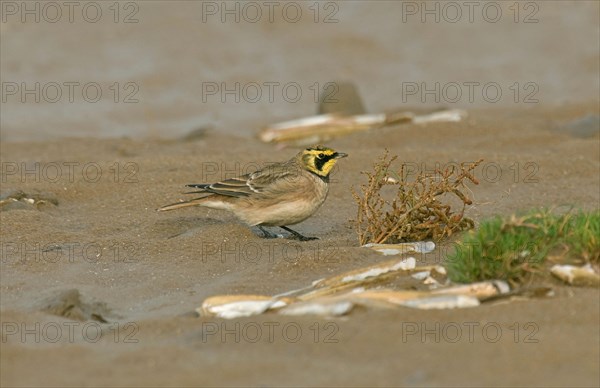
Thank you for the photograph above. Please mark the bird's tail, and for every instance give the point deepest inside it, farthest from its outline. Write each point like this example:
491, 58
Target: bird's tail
179, 205
191, 202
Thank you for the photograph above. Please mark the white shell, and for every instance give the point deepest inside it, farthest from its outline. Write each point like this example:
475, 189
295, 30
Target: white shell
236, 306
576, 275
396, 249
323, 308
442, 302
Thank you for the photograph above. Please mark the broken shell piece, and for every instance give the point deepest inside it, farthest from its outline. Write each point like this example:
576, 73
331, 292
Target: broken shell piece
481, 290
421, 275
453, 115
432, 282
235, 306
372, 271
369, 272
426, 278
321, 307
415, 299
352, 279
320, 128
324, 127
397, 249
385, 295
402, 265
442, 302
577, 276
440, 269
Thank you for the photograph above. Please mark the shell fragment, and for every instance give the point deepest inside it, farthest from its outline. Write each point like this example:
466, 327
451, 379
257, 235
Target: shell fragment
324, 308
384, 285
324, 127
236, 306
397, 249
577, 276
442, 302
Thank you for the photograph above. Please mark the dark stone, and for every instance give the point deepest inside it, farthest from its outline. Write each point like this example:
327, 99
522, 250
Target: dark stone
587, 126
340, 97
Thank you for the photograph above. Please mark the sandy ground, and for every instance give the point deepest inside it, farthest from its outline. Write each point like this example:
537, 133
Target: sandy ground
152, 269
105, 167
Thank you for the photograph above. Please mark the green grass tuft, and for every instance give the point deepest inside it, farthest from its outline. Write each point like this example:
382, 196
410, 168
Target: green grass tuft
512, 249
584, 238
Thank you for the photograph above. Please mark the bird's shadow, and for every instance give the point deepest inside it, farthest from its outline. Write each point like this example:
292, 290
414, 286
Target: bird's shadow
204, 227
186, 227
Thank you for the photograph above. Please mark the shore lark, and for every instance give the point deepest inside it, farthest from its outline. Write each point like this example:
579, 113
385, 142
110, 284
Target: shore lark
280, 194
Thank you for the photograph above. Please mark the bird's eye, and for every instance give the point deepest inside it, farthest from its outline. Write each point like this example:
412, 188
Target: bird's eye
320, 156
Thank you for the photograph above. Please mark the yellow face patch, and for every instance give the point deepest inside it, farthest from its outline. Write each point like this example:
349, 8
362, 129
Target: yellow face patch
320, 160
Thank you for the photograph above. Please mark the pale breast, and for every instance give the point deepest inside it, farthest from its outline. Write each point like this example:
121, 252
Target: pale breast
294, 202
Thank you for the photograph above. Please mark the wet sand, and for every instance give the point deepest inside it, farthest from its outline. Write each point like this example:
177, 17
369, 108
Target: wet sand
150, 270
98, 289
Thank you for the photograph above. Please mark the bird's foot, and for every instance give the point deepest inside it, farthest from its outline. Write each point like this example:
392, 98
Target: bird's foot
298, 236
267, 234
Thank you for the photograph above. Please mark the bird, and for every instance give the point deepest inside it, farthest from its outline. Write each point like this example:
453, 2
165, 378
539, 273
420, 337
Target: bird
281, 194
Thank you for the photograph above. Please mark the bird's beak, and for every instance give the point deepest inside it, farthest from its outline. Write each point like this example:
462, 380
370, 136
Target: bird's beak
339, 155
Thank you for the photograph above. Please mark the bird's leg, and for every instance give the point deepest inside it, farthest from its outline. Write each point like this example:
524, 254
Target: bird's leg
298, 235
266, 233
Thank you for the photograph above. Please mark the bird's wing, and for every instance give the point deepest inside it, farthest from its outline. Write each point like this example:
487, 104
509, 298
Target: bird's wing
265, 180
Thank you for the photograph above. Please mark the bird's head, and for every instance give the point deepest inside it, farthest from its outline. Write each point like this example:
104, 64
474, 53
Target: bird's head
320, 160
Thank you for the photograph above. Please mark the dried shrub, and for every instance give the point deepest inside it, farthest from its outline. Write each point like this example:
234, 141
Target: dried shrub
416, 212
